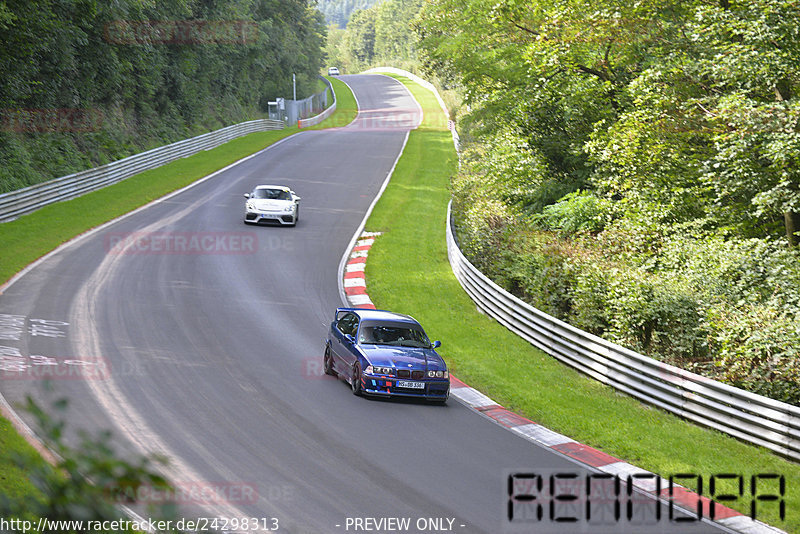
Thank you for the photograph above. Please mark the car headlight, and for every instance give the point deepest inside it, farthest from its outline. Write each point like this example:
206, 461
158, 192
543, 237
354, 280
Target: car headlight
250, 206
289, 208
381, 370
438, 374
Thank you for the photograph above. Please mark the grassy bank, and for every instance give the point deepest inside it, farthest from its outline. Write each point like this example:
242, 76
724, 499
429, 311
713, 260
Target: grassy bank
408, 272
31, 236
15, 451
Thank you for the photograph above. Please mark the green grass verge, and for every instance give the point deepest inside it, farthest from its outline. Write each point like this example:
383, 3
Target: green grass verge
31, 236
408, 272
15, 452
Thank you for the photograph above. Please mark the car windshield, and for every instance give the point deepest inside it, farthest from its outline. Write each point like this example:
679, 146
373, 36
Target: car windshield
272, 194
399, 336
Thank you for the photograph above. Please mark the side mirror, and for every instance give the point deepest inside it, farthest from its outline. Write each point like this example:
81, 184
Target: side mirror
297, 199
437, 344
247, 195
349, 338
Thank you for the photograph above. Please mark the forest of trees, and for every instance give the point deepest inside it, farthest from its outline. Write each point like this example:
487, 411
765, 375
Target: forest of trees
86, 82
634, 169
380, 35
337, 12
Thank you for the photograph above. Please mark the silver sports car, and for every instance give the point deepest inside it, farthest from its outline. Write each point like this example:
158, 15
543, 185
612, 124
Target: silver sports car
272, 204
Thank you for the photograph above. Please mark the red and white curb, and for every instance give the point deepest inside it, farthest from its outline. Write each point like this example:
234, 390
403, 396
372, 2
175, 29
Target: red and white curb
605, 463
355, 287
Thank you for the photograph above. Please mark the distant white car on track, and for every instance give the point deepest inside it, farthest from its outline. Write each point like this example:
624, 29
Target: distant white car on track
333, 71
272, 204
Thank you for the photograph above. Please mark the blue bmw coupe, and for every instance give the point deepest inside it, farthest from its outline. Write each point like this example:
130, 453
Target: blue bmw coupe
385, 354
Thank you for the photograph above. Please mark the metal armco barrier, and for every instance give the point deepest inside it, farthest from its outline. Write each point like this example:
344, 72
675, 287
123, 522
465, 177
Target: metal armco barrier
741, 414
22, 201
311, 121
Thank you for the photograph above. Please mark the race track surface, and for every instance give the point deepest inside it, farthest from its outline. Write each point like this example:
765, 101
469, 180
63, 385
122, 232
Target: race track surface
213, 357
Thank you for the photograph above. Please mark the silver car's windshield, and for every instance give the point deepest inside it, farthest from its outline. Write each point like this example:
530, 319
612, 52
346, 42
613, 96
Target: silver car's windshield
399, 336
272, 194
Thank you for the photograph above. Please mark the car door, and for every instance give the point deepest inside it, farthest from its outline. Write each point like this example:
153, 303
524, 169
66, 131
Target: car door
343, 345
349, 343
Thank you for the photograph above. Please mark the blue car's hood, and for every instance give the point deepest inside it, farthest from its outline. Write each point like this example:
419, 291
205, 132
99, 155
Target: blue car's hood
401, 357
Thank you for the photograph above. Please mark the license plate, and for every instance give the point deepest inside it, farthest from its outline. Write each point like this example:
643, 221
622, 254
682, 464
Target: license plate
410, 385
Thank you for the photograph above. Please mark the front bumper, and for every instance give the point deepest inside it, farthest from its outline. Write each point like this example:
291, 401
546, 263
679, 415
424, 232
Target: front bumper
270, 217
435, 389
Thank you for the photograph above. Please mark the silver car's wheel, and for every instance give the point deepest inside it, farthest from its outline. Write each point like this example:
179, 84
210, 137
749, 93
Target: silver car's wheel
355, 380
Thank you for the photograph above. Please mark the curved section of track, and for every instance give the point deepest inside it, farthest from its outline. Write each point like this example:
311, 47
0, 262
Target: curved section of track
214, 358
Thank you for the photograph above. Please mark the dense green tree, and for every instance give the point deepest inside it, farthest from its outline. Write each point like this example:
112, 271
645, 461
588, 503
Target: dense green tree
360, 36
381, 35
337, 12
632, 168
749, 58
394, 35
680, 110
146, 73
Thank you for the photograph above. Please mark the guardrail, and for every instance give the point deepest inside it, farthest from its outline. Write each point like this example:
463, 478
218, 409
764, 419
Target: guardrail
741, 414
22, 201
311, 121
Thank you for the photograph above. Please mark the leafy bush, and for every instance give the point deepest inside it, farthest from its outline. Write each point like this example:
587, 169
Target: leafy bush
655, 316
591, 311
541, 279
480, 231
757, 347
579, 211
728, 309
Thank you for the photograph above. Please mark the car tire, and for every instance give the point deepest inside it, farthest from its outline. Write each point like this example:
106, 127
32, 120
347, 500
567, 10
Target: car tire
327, 362
355, 379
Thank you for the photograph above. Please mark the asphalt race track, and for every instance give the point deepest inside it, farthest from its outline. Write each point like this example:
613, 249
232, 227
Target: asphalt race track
212, 356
